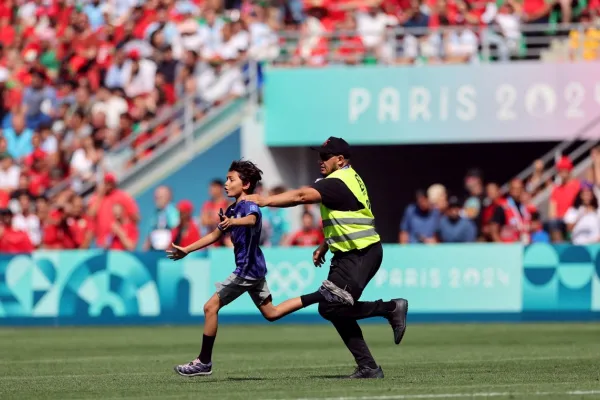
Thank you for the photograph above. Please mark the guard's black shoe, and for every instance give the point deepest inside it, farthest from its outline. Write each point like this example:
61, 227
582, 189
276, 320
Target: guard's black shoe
397, 319
367, 373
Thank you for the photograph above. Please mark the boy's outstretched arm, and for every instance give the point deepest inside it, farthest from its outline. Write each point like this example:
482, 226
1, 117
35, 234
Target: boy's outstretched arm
291, 198
179, 252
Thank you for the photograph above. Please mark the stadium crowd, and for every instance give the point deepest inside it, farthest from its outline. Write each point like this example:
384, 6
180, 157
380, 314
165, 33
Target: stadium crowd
111, 220
488, 216
82, 80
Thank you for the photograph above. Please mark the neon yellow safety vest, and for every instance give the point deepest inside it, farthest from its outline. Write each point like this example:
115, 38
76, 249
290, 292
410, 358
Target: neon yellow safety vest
350, 230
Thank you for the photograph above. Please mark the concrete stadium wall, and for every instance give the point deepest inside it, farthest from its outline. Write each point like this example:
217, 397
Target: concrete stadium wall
444, 283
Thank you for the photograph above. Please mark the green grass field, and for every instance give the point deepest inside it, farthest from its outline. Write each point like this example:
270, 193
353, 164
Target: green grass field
545, 361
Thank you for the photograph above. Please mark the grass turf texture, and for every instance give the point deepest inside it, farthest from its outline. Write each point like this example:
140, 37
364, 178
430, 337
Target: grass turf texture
301, 361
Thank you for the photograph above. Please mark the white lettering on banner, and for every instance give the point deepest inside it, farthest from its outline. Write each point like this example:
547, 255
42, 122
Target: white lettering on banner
433, 278
574, 94
389, 104
444, 93
506, 96
466, 97
509, 102
419, 103
540, 100
358, 102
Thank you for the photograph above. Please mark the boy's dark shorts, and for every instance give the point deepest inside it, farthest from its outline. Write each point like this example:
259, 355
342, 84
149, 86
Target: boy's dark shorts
235, 286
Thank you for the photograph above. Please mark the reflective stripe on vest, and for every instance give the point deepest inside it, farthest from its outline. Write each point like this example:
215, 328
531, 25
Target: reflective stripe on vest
351, 236
349, 221
349, 230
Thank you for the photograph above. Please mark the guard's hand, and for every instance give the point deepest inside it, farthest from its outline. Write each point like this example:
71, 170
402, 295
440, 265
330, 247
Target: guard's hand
319, 256
254, 198
221, 215
176, 253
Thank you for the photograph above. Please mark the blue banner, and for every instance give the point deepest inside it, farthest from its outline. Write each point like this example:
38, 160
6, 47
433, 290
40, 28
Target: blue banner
443, 282
435, 104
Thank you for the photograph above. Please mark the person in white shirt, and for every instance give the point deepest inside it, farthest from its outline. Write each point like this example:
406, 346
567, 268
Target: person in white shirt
49, 141
460, 45
26, 220
241, 36
505, 28
211, 33
84, 162
582, 219
372, 27
110, 105
224, 81
139, 75
189, 36
9, 173
264, 41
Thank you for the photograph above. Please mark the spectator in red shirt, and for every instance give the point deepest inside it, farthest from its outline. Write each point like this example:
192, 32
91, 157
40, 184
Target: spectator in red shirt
57, 234
101, 208
123, 234
562, 197
80, 225
351, 49
7, 31
511, 220
11, 240
4, 199
309, 235
209, 217
38, 173
186, 232
491, 202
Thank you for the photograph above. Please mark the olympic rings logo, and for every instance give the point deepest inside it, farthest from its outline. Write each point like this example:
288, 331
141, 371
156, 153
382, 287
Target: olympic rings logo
290, 280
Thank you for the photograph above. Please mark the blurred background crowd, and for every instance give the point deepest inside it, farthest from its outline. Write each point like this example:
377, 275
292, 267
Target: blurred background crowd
483, 213
89, 88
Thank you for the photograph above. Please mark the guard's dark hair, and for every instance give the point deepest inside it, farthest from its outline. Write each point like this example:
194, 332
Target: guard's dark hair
249, 173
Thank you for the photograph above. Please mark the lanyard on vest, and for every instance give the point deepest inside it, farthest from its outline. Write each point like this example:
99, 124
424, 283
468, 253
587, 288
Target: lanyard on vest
517, 212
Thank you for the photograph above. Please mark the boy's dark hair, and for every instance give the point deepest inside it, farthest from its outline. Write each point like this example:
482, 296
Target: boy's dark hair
217, 182
249, 173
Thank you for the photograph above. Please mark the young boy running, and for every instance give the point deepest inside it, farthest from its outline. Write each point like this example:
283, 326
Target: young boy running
243, 221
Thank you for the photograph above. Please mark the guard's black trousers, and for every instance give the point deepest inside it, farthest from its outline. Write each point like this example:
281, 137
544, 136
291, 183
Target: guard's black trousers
352, 271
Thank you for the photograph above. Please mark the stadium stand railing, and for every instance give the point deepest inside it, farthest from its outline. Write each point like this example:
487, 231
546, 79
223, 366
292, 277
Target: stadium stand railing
178, 128
576, 149
545, 42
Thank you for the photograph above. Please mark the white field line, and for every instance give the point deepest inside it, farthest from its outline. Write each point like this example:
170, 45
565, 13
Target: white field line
68, 360
455, 395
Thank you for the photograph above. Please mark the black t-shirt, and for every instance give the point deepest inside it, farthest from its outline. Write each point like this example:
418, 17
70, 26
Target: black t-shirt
499, 216
335, 195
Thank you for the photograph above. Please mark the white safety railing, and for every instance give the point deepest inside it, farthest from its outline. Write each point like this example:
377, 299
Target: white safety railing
468, 44
180, 121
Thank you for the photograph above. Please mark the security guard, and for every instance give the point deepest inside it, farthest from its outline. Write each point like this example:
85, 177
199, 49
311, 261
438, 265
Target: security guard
349, 230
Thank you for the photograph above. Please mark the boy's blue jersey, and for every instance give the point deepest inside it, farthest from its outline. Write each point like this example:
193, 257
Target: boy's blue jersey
249, 259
